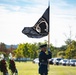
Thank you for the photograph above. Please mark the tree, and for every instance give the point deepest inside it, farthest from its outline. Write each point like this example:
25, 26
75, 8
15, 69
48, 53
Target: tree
71, 50
27, 50
3, 47
61, 54
19, 52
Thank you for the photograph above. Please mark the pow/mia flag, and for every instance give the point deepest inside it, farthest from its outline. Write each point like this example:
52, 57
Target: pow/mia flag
40, 29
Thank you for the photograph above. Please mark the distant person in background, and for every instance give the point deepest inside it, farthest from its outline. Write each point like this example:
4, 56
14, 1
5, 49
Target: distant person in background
43, 60
12, 65
0, 63
3, 65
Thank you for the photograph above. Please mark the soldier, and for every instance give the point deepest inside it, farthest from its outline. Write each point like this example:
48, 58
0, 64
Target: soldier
3, 65
43, 60
0, 62
12, 65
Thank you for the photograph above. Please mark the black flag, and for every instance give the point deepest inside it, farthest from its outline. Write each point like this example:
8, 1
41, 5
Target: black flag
40, 29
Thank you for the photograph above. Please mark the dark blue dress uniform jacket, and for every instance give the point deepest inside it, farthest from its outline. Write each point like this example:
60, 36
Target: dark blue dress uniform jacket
43, 62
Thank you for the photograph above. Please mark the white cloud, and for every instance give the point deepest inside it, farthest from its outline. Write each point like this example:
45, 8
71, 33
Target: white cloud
61, 19
12, 23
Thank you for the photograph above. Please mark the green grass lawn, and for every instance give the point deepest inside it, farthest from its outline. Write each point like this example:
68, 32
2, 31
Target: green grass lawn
28, 68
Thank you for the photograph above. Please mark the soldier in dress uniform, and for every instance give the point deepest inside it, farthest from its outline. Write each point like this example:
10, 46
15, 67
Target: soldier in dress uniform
12, 65
43, 60
3, 65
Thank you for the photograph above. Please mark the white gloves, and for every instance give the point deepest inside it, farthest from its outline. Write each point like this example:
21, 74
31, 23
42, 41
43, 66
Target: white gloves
48, 49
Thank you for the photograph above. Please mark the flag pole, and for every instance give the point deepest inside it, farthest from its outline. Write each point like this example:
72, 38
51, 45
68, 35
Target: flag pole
49, 40
49, 25
49, 30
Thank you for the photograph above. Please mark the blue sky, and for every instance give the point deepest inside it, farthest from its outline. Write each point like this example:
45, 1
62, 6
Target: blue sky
17, 14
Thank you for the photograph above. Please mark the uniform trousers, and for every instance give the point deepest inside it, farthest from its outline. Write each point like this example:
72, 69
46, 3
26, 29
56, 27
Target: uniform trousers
44, 74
